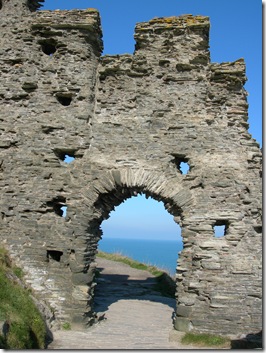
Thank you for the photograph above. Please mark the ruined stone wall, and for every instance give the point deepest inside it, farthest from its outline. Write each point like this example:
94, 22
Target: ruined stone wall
129, 121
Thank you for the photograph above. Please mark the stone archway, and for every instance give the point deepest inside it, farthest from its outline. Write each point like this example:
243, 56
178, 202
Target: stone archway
130, 121
115, 187
118, 185
204, 260
118, 286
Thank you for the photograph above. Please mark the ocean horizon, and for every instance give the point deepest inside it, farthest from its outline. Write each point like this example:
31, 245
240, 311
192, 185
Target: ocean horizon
162, 253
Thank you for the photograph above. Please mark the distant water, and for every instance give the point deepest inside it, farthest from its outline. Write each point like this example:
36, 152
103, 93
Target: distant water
161, 253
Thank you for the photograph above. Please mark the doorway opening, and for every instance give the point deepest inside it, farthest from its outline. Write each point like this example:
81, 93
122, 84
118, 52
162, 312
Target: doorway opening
142, 232
141, 228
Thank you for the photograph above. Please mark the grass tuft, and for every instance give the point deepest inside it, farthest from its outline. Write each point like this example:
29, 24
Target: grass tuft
132, 263
66, 326
205, 339
25, 325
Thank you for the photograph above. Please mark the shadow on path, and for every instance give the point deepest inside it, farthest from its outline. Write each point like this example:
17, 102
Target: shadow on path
114, 287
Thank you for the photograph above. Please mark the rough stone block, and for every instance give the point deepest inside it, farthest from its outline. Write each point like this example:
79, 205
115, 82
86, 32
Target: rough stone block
182, 324
183, 311
81, 278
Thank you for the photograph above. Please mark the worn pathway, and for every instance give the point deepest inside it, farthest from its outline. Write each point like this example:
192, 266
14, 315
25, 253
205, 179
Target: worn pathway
137, 317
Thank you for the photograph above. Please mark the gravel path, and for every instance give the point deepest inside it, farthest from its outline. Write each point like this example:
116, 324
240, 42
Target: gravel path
134, 315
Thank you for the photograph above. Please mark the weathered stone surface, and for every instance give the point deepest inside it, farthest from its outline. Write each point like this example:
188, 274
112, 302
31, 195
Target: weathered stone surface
128, 121
183, 311
182, 324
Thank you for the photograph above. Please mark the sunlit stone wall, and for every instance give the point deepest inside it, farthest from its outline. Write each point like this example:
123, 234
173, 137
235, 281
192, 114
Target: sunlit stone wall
129, 122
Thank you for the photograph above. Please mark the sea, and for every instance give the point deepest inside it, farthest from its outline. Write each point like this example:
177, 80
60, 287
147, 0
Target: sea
161, 253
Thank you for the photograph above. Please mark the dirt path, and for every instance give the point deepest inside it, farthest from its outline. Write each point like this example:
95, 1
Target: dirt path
135, 316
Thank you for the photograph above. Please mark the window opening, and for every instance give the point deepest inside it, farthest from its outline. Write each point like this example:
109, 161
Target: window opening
1, 5
48, 48
258, 229
54, 255
220, 229
65, 155
58, 204
64, 98
181, 163
184, 168
64, 210
68, 159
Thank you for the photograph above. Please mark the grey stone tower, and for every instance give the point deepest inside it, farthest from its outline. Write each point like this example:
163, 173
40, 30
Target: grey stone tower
129, 121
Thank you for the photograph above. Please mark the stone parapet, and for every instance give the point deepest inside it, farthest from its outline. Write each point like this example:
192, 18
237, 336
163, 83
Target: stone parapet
84, 20
185, 38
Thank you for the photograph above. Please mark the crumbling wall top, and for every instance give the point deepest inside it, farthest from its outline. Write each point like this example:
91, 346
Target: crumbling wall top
183, 21
23, 5
88, 19
174, 35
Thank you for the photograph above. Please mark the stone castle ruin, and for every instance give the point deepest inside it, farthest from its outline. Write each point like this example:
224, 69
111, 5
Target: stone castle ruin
129, 121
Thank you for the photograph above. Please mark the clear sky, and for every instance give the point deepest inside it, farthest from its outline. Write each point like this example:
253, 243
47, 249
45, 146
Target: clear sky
236, 32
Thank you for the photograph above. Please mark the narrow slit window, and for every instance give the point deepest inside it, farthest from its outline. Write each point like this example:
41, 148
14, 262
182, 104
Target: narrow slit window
64, 210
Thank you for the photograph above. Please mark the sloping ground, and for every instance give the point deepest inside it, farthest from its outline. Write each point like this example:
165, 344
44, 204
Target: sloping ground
21, 323
134, 316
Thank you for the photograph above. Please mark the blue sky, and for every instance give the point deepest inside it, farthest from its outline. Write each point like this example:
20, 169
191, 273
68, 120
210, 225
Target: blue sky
140, 218
236, 32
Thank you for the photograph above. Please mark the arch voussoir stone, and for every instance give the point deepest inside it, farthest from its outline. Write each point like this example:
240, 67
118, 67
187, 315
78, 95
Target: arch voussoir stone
151, 182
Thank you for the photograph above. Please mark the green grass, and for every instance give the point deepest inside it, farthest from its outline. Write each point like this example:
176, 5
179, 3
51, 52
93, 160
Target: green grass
132, 263
205, 340
18, 272
66, 326
26, 326
165, 283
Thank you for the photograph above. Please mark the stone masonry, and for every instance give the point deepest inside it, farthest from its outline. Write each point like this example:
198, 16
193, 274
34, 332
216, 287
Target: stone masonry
129, 121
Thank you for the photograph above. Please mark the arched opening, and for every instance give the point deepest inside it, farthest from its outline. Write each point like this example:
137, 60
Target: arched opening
142, 229
154, 246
